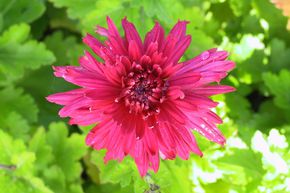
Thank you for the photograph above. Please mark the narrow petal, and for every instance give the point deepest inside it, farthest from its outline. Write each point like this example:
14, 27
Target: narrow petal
102, 31
131, 33
65, 98
179, 50
186, 79
115, 38
81, 77
207, 129
156, 35
176, 35
210, 64
134, 51
170, 113
93, 43
141, 158
213, 90
90, 63
112, 28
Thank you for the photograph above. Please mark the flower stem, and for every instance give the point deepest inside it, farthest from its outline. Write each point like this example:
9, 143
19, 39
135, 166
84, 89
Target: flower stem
7, 167
153, 188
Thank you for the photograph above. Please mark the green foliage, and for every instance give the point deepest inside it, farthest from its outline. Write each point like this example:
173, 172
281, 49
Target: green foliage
239, 7
18, 53
14, 100
16, 111
40, 154
279, 86
66, 150
113, 172
67, 52
21, 176
75, 8
174, 176
279, 55
252, 167
48, 162
13, 11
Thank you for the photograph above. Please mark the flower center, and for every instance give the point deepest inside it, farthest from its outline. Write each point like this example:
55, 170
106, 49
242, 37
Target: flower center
144, 89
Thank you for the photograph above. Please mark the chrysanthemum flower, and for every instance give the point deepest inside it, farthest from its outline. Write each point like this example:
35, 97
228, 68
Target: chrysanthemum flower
145, 102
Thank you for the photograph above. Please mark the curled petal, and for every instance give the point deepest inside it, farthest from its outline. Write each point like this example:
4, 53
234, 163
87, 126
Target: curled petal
156, 35
131, 33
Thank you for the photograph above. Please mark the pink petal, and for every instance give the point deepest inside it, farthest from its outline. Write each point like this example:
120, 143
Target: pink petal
155, 35
131, 33
134, 51
102, 31
93, 43
186, 79
213, 90
141, 158
179, 50
65, 98
90, 63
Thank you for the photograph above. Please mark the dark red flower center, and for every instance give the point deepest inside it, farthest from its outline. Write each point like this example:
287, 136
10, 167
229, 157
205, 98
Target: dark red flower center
144, 89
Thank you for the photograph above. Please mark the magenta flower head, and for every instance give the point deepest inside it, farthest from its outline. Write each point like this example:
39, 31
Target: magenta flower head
145, 102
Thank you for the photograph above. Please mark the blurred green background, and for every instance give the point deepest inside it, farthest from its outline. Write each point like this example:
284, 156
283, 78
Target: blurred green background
40, 153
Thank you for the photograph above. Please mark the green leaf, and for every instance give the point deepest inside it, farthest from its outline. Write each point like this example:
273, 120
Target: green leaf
16, 125
66, 150
21, 178
174, 177
58, 19
221, 11
75, 8
249, 73
245, 49
252, 166
59, 154
219, 185
117, 10
251, 24
124, 173
279, 86
154, 8
201, 42
13, 100
68, 52
264, 120
14, 153
17, 54
279, 58
55, 179
13, 11
241, 111
15, 34
253, 163
42, 150
240, 7
277, 22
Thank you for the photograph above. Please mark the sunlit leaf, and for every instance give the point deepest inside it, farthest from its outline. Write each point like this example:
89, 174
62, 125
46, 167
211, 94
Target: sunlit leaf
18, 53
284, 5
279, 86
20, 177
